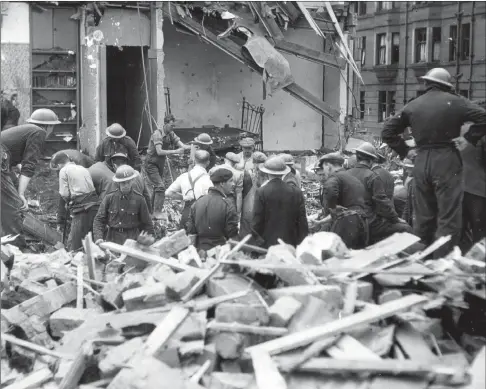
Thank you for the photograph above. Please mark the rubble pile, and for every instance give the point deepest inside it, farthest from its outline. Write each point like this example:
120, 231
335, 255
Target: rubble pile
315, 316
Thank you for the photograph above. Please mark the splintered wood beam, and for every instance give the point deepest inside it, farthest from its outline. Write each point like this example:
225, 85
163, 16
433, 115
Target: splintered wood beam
235, 51
269, 23
310, 54
289, 9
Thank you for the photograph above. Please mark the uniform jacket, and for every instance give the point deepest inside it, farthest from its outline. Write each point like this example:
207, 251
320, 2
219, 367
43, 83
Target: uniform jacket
387, 179
102, 177
279, 213
375, 198
110, 146
25, 145
213, 219
435, 117
474, 160
293, 178
122, 211
343, 189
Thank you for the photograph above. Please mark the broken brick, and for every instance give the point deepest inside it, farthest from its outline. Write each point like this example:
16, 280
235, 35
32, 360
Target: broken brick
283, 310
173, 244
221, 380
190, 257
389, 295
145, 297
180, 284
242, 313
231, 283
329, 293
112, 292
67, 319
321, 246
230, 345
314, 313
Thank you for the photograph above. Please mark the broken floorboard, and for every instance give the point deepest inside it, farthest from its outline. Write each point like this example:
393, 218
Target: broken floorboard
235, 51
41, 230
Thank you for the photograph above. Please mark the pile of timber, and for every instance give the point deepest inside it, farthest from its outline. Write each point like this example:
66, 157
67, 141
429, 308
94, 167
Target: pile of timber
315, 316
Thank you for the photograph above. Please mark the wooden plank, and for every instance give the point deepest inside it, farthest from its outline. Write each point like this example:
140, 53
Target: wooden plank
310, 54
80, 282
88, 244
77, 368
40, 230
289, 9
413, 344
245, 328
348, 323
268, 22
32, 381
266, 371
34, 347
348, 347
235, 51
171, 262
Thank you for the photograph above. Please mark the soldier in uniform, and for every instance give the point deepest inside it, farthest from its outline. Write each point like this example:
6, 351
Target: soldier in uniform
123, 212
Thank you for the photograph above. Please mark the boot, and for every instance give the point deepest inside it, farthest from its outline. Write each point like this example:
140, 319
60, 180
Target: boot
158, 203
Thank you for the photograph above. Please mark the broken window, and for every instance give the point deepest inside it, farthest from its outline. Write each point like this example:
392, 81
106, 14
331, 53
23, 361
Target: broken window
395, 54
381, 49
362, 7
363, 50
465, 40
420, 45
362, 107
390, 103
381, 106
452, 42
436, 40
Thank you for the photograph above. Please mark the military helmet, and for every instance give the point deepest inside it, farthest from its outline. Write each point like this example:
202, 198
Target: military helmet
439, 76
124, 173
275, 165
116, 131
43, 116
367, 149
203, 139
288, 159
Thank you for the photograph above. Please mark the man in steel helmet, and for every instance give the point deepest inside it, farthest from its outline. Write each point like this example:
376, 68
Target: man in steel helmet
23, 145
436, 118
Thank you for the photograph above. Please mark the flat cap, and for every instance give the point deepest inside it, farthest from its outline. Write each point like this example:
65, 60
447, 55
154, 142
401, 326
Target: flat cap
332, 158
230, 156
220, 175
247, 142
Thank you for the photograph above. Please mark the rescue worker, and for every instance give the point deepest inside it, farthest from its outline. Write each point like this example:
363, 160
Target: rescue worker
23, 145
77, 190
258, 159
408, 211
246, 154
203, 142
123, 212
117, 141
10, 113
385, 175
343, 196
436, 118
292, 177
279, 209
191, 185
383, 220
75, 156
474, 202
163, 142
213, 216
236, 195
102, 175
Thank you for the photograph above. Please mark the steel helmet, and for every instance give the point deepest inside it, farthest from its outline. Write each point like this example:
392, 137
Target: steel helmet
366, 148
439, 76
119, 155
203, 139
247, 142
43, 116
275, 165
115, 131
124, 173
259, 157
288, 159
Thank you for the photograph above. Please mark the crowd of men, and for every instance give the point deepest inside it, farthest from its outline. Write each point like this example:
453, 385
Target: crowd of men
250, 193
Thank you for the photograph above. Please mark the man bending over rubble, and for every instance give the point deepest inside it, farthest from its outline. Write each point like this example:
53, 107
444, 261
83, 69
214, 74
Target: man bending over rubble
343, 197
124, 211
279, 210
77, 190
213, 216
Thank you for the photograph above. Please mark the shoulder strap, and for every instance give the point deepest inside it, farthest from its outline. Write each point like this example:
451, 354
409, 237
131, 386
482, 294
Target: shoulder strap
193, 182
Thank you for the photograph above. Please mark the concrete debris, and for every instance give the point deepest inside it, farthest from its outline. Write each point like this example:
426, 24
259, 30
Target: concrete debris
244, 328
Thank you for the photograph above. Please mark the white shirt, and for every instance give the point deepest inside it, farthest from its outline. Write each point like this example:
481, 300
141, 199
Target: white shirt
74, 180
183, 186
245, 164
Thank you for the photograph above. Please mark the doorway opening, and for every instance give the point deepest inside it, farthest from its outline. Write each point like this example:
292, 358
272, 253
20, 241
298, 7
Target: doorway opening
125, 91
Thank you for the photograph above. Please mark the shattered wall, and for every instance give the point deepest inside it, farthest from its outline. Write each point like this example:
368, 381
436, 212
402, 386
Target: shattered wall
15, 54
207, 87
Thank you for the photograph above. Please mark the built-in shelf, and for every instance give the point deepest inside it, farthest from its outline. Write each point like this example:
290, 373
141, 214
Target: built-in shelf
52, 71
52, 106
54, 88
59, 52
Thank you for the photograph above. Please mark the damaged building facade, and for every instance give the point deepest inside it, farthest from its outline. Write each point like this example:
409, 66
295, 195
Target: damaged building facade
99, 63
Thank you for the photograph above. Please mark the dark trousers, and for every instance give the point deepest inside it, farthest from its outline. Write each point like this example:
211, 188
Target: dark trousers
381, 228
186, 213
11, 216
154, 168
438, 196
352, 229
474, 220
81, 225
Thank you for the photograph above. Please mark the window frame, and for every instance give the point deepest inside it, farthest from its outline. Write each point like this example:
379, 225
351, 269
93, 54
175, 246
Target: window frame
465, 42
393, 47
452, 42
379, 48
436, 42
362, 8
417, 45
363, 51
382, 106
362, 104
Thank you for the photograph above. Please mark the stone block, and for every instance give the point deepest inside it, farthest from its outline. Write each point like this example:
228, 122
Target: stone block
117, 357
314, 313
113, 291
283, 310
180, 284
331, 294
67, 319
173, 244
145, 297
242, 313
190, 257
320, 246
221, 380
389, 295
365, 290
228, 283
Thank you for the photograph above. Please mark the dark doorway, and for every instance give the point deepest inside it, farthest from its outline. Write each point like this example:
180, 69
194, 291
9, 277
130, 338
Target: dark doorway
125, 91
